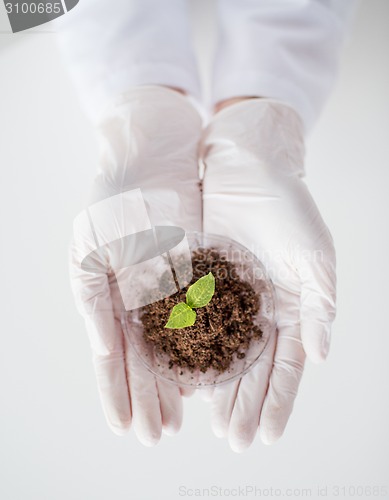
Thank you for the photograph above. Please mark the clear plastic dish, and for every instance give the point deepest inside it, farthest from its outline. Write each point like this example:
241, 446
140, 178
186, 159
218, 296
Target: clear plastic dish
250, 269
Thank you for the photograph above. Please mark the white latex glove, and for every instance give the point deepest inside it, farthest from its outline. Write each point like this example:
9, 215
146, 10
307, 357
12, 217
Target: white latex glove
149, 140
254, 193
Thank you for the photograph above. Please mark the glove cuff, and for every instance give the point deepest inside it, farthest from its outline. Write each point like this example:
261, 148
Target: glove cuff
149, 139
148, 132
265, 128
161, 99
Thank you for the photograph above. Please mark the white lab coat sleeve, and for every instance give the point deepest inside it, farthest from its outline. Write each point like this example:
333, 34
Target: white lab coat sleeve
282, 49
110, 47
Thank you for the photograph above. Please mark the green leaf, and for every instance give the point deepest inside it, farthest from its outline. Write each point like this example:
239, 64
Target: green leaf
200, 293
181, 316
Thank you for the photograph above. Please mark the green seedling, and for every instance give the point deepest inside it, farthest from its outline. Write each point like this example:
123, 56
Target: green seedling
198, 295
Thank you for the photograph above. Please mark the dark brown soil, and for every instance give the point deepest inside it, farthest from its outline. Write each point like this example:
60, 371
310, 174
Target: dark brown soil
222, 329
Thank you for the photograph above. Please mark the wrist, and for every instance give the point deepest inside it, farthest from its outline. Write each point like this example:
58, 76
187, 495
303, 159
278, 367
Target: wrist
261, 128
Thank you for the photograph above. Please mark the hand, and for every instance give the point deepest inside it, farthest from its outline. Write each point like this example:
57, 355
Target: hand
149, 140
253, 192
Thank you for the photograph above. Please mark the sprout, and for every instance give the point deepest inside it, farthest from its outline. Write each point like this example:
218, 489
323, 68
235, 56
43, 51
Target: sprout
198, 295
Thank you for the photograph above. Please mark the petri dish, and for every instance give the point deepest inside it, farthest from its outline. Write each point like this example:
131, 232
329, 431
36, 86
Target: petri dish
250, 269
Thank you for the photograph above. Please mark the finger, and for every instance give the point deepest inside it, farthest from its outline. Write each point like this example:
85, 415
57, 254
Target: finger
187, 392
318, 295
170, 401
107, 344
190, 389
113, 389
316, 339
249, 400
285, 377
146, 412
222, 405
206, 394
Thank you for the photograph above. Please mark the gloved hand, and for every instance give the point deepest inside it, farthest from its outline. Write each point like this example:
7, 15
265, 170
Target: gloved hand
253, 192
149, 140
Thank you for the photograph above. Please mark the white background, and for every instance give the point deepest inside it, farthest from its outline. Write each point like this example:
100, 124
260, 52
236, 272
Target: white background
54, 443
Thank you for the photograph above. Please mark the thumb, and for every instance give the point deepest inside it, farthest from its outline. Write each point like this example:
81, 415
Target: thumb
318, 295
